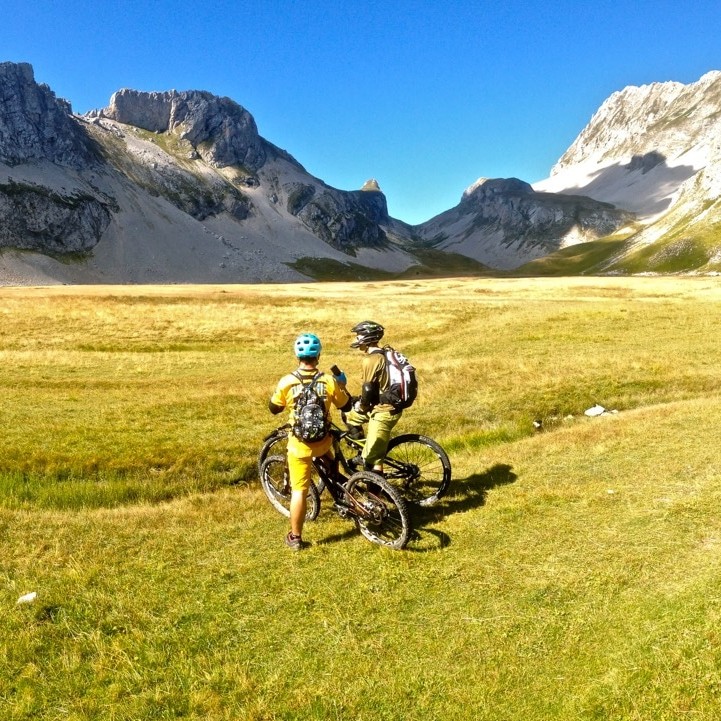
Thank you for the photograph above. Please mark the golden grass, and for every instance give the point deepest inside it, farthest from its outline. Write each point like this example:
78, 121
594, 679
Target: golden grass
570, 573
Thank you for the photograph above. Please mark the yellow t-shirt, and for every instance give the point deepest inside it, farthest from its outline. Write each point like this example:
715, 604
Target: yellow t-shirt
287, 391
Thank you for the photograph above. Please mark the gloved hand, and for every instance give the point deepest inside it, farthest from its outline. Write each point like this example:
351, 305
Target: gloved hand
358, 406
338, 374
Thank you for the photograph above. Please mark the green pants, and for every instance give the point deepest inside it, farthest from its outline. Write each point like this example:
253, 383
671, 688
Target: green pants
380, 425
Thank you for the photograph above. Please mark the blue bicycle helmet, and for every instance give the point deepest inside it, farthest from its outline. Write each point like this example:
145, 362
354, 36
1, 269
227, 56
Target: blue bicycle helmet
307, 345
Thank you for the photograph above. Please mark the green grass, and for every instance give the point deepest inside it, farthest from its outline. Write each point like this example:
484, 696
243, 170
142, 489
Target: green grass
570, 574
431, 264
573, 260
675, 256
327, 269
690, 244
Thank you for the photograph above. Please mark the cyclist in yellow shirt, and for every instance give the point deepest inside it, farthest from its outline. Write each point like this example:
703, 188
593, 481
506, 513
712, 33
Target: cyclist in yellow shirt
331, 391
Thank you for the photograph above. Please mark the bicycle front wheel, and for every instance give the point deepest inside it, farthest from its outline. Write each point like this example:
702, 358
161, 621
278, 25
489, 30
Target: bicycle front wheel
379, 511
275, 482
418, 467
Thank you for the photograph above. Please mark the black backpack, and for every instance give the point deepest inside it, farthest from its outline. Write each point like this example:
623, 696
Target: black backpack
402, 377
311, 420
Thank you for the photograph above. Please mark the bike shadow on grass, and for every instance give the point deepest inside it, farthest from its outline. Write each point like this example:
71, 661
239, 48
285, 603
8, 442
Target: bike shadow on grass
464, 494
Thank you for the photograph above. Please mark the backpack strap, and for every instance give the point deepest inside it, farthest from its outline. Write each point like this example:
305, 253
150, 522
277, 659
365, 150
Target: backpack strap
313, 380
311, 386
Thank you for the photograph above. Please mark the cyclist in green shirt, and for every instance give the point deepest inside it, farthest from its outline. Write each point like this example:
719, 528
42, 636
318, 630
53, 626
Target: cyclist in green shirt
373, 407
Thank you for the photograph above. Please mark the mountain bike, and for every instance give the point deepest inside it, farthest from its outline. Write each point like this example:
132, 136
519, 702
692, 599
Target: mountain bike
416, 465
374, 505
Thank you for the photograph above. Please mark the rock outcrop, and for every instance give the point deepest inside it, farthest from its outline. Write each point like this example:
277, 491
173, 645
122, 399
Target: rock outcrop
346, 220
222, 132
504, 223
513, 207
36, 128
33, 217
35, 125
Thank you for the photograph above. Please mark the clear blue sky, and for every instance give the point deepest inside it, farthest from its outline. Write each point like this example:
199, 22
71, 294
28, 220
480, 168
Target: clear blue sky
423, 96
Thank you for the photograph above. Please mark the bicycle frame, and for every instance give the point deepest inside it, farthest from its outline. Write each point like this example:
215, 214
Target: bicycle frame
392, 468
399, 469
375, 505
415, 464
338, 435
345, 504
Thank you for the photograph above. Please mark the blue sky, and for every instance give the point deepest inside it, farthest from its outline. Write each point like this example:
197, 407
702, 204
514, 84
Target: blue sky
423, 96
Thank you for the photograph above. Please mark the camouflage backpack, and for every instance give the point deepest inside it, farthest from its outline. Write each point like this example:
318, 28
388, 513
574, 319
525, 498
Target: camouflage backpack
311, 420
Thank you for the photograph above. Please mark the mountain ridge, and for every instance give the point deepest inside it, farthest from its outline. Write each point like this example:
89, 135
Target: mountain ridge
655, 149
179, 186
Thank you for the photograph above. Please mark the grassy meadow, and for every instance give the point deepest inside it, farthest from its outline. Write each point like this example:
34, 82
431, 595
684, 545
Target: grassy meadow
571, 573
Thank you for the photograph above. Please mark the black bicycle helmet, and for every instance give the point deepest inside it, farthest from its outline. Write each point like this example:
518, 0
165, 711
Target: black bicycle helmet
367, 333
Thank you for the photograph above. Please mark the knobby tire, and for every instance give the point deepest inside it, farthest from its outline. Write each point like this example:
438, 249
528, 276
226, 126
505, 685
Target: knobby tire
383, 518
418, 467
276, 486
276, 445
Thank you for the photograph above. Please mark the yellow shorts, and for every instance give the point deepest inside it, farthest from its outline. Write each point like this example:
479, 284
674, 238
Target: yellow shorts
300, 460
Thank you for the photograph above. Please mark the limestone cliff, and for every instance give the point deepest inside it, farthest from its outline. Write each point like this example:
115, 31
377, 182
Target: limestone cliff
35, 125
35, 128
656, 150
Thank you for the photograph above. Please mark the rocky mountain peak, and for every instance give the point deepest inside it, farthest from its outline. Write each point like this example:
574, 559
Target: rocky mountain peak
486, 188
222, 132
502, 222
640, 120
34, 124
371, 185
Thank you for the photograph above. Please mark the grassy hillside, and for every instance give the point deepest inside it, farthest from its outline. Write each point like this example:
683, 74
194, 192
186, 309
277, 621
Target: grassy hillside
580, 259
431, 264
684, 240
571, 573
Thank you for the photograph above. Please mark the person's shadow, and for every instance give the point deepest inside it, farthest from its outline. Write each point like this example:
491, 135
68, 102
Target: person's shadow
463, 495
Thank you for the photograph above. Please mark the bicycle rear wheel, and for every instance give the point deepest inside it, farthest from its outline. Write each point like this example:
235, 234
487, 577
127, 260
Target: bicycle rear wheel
275, 445
379, 511
418, 467
276, 485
